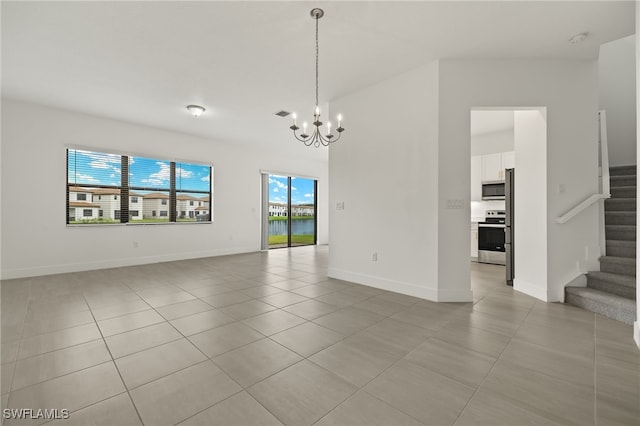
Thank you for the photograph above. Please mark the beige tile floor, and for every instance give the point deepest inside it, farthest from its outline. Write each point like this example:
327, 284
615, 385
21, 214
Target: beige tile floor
268, 339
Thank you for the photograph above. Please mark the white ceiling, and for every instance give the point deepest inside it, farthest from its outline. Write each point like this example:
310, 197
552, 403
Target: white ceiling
143, 62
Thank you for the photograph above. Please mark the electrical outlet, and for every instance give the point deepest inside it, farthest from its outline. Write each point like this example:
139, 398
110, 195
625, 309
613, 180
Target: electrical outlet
374, 256
340, 205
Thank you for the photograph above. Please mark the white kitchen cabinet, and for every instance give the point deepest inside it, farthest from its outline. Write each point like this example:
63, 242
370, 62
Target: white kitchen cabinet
476, 178
493, 165
508, 160
474, 241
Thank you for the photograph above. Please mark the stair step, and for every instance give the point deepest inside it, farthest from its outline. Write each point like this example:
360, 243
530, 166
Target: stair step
623, 191
620, 232
620, 285
609, 305
618, 265
620, 218
625, 180
620, 205
622, 170
621, 248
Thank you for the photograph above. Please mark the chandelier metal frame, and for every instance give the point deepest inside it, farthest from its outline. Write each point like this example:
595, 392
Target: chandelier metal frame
316, 138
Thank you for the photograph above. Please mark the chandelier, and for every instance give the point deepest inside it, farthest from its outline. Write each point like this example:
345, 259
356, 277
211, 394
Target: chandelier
315, 137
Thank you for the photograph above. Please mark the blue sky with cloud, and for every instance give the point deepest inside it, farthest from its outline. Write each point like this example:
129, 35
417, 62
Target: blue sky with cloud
301, 190
86, 167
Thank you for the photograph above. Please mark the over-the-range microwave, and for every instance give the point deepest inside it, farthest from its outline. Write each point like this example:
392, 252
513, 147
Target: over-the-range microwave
493, 191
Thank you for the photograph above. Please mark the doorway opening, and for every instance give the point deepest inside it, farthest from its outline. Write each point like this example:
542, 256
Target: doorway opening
289, 211
509, 192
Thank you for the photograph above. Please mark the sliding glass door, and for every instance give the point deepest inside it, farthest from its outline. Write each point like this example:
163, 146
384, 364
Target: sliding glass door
290, 211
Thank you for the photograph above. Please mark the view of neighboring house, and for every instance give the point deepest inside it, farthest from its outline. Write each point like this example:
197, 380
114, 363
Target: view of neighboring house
303, 210
109, 201
155, 206
104, 203
280, 210
81, 205
277, 209
191, 207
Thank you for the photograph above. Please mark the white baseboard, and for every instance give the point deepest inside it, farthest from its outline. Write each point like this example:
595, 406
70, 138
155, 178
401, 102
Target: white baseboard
530, 289
409, 289
13, 273
636, 333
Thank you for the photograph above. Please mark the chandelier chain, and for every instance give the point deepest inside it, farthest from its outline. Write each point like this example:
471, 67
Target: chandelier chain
315, 137
317, 60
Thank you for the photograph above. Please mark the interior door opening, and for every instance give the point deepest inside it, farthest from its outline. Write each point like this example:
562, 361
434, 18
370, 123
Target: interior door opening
289, 211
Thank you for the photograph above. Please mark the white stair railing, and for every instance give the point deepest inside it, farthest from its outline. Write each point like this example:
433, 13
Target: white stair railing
605, 190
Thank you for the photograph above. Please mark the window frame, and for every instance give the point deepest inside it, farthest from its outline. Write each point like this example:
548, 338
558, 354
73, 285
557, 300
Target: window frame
123, 197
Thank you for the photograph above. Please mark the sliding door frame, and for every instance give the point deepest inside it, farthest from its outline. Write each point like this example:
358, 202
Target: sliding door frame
264, 239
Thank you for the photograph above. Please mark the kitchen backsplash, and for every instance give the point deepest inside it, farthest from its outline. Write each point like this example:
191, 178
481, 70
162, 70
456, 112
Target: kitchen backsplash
479, 208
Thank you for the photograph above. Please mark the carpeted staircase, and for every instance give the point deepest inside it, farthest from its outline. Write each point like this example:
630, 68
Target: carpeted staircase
612, 290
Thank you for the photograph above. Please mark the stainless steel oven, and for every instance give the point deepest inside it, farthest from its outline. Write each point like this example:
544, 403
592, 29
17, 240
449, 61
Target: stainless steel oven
491, 238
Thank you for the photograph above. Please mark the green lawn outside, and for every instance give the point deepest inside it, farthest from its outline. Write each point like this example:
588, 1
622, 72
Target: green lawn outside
283, 218
295, 239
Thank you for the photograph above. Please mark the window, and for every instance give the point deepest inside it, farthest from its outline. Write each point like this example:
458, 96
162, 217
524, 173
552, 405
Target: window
87, 213
156, 183
190, 203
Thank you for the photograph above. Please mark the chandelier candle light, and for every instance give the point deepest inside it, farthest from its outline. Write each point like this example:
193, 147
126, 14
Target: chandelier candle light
316, 138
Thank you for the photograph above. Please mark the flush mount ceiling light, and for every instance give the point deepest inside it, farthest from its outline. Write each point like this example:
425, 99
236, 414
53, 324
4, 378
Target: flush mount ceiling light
196, 110
578, 38
316, 138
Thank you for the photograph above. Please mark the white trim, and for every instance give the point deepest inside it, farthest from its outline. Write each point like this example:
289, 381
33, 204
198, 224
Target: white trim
448, 295
117, 263
409, 289
636, 333
282, 174
532, 290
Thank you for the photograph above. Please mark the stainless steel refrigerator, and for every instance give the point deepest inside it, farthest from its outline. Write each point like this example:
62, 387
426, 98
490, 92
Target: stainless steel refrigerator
509, 190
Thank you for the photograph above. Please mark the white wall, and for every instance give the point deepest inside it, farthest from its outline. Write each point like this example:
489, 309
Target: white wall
385, 170
569, 90
406, 167
491, 143
530, 227
617, 71
36, 241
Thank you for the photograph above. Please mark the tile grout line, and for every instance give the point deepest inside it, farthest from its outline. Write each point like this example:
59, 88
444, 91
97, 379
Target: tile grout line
116, 365
493, 365
15, 362
362, 388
